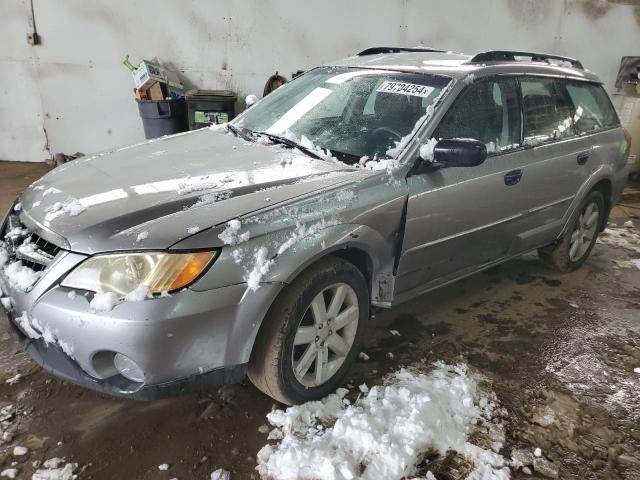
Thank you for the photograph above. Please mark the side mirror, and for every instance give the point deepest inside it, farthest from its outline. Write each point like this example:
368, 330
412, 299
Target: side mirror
453, 152
459, 152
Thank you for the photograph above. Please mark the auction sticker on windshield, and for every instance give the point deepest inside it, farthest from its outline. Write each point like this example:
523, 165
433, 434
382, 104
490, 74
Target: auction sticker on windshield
402, 88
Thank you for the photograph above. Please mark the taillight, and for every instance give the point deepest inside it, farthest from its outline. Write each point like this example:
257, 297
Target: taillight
627, 138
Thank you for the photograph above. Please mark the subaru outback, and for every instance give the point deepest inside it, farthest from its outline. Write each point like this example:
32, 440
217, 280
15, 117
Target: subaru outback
258, 248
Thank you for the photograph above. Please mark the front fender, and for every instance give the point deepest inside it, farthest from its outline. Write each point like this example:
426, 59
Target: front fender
280, 256
309, 250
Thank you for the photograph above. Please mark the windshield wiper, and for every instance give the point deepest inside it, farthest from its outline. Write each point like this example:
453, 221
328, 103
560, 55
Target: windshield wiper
237, 131
290, 143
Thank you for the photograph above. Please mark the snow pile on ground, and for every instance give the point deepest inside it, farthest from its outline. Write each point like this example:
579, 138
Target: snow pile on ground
230, 235
7, 302
9, 473
21, 277
220, 474
528, 460
385, 433
20, 451
13, 380
626, 238
56, 469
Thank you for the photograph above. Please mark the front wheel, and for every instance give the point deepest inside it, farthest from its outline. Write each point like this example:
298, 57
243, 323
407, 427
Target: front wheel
571, 251
310, 335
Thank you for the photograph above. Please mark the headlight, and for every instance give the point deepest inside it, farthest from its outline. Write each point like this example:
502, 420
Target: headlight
122, 273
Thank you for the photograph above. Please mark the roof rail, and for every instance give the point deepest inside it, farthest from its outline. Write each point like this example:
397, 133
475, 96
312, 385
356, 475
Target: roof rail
511, 56
378, 50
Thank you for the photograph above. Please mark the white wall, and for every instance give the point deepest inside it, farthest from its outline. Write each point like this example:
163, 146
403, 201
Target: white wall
71, 93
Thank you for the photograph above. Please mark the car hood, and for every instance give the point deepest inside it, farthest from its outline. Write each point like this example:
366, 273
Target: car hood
154, 194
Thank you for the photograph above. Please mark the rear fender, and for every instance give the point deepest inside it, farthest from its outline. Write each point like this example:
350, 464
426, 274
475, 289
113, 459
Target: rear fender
603, 172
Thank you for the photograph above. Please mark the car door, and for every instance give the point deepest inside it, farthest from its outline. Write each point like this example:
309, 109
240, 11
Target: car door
461, 218
557, 160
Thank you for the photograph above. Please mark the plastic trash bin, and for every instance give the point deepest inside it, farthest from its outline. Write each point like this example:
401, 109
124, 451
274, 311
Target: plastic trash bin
163, 117
207, 107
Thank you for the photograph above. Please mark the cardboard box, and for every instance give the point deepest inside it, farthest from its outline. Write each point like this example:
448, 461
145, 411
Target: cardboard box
154, 92
148, 73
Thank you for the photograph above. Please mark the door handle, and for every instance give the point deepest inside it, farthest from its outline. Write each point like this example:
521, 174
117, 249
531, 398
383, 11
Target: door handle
583, 157
512, 177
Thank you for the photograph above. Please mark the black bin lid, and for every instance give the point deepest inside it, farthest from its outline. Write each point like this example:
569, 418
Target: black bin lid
219, 95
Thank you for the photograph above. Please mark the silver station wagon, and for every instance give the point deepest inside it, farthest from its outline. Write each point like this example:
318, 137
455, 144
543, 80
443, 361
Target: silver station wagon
257, 248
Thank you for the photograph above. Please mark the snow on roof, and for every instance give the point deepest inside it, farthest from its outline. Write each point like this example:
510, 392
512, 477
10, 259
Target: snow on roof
456, 65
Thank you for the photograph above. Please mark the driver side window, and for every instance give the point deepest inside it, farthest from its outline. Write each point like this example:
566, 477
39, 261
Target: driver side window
486, 111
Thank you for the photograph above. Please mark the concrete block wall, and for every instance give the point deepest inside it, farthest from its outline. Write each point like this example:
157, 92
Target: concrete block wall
71, 93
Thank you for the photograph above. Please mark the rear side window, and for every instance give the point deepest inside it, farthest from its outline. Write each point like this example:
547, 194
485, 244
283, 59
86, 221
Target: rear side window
547, 110
593, 109
486, 111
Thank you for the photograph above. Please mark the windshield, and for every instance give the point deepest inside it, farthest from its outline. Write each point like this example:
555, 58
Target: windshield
351, 112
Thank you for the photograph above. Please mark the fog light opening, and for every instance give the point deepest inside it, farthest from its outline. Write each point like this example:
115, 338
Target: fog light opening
128, 368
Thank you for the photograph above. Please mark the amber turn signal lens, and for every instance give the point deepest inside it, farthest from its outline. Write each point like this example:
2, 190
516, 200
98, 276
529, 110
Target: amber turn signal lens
192, 269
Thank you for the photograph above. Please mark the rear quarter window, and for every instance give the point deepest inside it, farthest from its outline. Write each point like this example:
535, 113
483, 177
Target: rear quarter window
547, 110
593, 109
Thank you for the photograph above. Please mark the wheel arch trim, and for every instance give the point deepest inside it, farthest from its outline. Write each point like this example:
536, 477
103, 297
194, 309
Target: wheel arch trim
339, 240
600, 176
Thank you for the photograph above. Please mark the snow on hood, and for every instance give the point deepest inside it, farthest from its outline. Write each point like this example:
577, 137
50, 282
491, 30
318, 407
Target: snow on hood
156, 193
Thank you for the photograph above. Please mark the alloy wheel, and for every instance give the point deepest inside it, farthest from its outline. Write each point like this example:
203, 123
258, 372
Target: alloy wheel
325, 335
584, 231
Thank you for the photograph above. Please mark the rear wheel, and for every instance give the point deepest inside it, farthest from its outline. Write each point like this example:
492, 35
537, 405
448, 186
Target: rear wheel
310, 335
571, 251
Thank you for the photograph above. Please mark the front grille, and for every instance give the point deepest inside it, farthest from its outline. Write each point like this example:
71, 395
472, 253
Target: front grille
41, 245
32, 250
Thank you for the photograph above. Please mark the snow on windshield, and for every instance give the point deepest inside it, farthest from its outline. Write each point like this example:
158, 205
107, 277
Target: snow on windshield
352, 113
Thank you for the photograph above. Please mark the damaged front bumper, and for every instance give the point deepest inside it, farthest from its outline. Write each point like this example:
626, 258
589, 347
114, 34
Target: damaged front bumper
53, 359
189, 341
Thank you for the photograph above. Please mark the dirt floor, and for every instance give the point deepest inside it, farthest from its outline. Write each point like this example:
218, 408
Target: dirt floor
559, 350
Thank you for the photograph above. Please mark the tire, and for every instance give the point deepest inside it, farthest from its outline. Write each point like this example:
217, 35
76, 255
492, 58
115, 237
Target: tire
583, 231
293, 319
